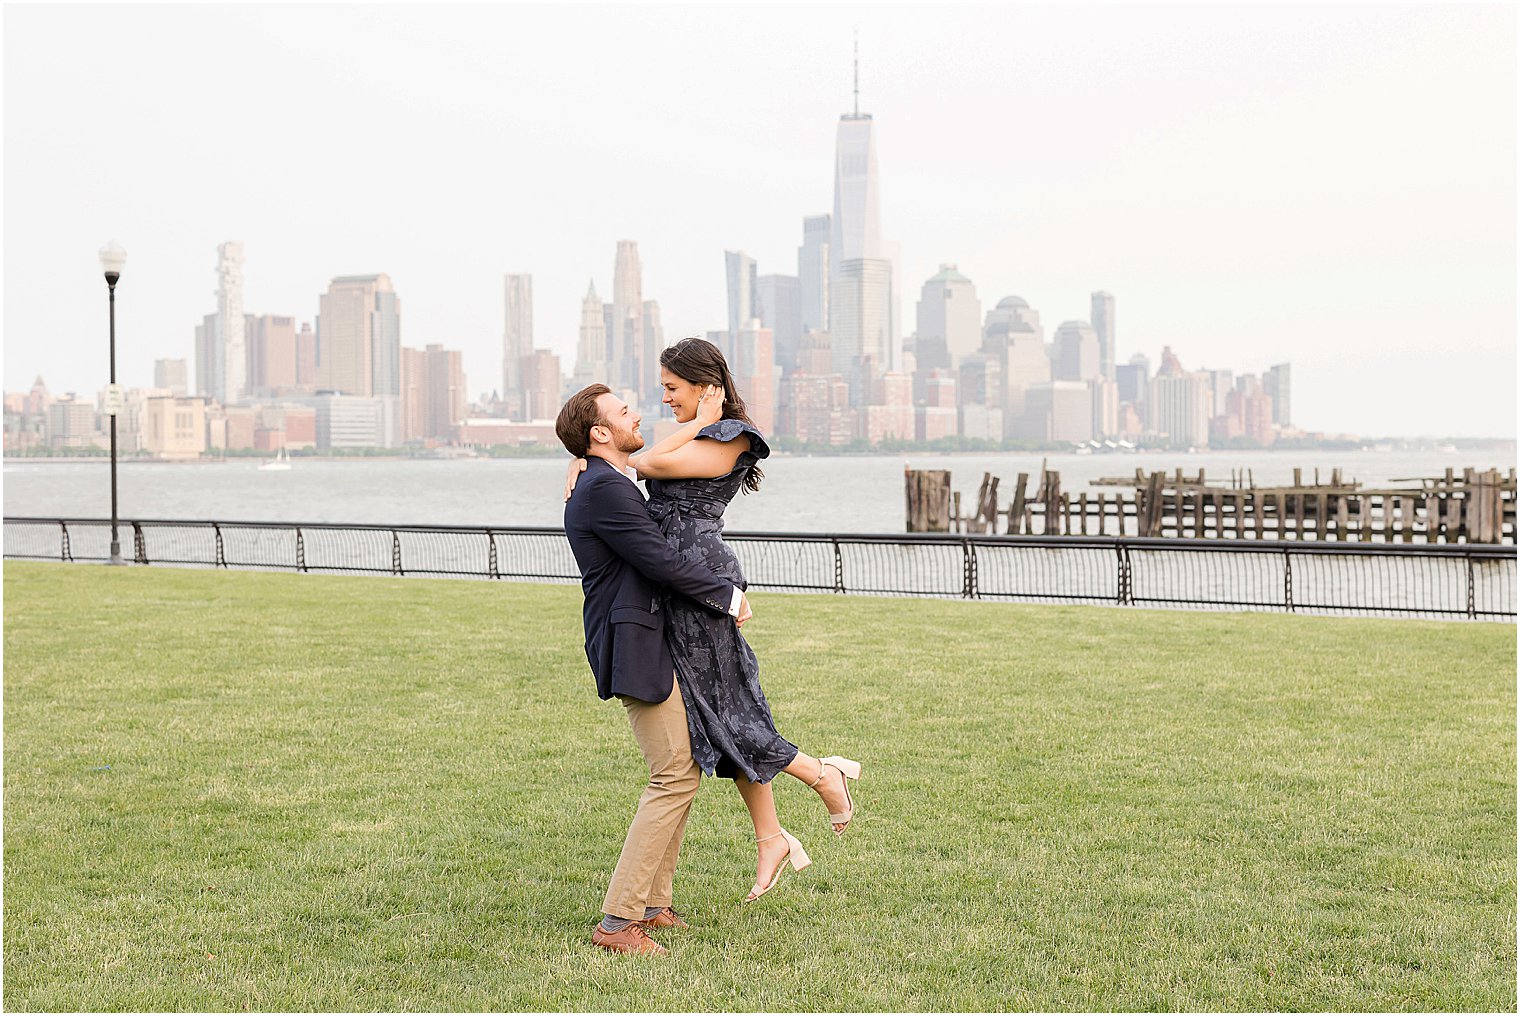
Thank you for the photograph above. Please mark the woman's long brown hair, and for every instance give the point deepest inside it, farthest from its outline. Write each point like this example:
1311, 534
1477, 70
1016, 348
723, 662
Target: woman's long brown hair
699, 362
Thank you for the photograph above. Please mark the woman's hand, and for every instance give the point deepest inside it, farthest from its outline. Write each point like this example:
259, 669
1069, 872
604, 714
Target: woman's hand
710, 405
577, 467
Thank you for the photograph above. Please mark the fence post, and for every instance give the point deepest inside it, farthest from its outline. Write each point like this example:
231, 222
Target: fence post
1125, 596
838, 566
67, 553
300, 550
396, 553
221, 555
139, 545
968, 571
492, 564
1472, 598
1287, 581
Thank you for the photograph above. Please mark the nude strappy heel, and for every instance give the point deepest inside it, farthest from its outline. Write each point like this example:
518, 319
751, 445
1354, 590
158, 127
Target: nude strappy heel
795, 856
850, 770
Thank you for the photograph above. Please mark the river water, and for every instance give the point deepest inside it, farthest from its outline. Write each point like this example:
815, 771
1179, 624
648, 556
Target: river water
845, 494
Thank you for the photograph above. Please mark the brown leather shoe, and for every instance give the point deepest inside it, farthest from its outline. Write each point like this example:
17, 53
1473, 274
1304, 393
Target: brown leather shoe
632, 939
666, 918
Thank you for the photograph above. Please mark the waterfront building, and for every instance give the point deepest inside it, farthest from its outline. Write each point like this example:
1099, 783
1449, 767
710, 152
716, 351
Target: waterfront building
1104, 395
981, 380
743, 285
753, 365
777, 305
171, 375
1057, 411
626, 328
1179, 404
517, 335
1074, 354
541, 385
71, 423
949, 316
355, 421
1278, 385
1103, 326
862, 275
209, 358
271, 341
593, 359
815, 354
982, 422
860, 300
433, 393
654, 342
359, 337
813, 274
1221, 383
815, 408
306, 358
1134, 379
889, 414
230, 338
174, 426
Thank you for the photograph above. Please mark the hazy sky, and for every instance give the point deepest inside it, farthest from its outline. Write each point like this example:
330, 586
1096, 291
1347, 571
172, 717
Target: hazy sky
1333, 186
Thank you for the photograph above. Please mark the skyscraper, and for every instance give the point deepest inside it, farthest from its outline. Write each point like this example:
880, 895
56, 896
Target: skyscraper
627, 331
359, 336
271, 343
654, 341
433, 398
861, 305
862, 288
777, 307
753, 367
229, 321
1278, 383
517, 338
950, 313
1103, 324
592, 362
740, 272
1075, 356
210, 360
813, 273
170, 374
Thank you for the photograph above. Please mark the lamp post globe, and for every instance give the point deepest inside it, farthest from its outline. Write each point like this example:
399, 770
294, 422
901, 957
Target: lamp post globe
112, 259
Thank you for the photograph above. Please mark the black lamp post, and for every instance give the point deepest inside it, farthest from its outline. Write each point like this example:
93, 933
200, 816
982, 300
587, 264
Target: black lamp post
112, 258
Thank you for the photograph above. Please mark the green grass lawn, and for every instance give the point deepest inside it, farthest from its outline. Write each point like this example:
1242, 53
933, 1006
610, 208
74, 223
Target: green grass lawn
253, 791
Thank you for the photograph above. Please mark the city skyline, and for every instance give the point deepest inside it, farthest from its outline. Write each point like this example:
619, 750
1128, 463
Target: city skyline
1446, 320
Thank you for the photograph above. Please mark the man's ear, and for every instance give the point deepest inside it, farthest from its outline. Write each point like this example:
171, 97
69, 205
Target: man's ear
604, 437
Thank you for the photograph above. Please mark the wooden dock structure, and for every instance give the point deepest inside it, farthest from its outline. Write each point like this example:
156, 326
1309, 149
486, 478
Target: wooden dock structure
1473, 506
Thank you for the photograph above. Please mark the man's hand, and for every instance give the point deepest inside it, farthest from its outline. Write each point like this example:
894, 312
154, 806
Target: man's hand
577, 467
744, 612
710, 405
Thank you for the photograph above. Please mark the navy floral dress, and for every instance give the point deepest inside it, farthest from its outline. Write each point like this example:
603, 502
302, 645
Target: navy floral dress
731, 728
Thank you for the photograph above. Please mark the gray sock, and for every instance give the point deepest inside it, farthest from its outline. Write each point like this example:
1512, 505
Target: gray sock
611, 924
649, 912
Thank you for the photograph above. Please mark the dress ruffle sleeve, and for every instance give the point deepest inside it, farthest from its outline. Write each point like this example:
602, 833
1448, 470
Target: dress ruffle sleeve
727, 430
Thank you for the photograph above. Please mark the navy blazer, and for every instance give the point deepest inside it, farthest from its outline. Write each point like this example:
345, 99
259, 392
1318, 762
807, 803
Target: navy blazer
624, 560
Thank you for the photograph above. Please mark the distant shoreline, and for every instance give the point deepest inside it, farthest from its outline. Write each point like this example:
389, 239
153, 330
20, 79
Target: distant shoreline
1446, 445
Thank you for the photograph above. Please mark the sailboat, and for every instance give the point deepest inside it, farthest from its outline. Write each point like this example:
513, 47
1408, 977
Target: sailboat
280, 461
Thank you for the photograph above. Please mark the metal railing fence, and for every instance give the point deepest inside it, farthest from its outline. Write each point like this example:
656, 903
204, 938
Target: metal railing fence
1475, 581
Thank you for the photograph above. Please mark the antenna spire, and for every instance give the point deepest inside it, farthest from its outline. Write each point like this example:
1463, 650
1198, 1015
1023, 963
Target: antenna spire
857, 72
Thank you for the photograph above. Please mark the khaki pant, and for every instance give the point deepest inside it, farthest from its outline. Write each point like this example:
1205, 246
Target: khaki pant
647, 867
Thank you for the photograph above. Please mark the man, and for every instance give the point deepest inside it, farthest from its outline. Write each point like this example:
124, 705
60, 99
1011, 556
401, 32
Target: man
624, 560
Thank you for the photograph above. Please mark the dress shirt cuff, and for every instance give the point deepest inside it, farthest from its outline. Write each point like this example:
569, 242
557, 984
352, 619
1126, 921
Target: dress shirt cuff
733, 608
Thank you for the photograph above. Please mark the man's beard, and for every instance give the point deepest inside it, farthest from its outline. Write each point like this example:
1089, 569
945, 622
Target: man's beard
627, 441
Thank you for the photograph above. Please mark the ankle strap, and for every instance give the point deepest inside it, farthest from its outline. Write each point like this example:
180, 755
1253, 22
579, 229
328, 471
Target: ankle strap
772, 836
821, 767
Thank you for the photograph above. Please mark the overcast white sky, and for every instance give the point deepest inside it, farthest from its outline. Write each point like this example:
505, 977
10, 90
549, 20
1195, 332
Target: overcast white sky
1333, 186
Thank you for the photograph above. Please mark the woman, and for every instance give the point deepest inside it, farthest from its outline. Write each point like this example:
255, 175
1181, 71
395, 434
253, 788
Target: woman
692, 475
